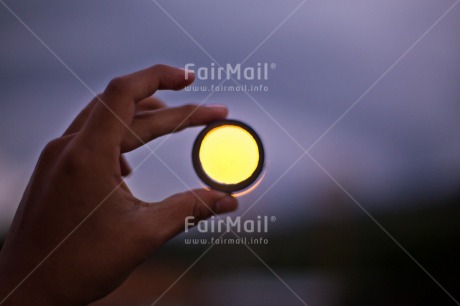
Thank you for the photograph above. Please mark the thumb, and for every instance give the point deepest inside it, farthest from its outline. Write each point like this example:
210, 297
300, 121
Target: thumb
170, 215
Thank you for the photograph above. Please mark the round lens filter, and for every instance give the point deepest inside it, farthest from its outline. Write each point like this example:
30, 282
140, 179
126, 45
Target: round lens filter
228, 155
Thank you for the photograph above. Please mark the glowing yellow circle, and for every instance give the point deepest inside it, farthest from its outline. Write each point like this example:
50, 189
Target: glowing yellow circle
229, 154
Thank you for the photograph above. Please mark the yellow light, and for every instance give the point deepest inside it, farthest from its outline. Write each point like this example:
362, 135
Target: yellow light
228, 155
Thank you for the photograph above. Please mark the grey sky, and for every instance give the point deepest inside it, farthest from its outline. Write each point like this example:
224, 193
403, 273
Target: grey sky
401, 139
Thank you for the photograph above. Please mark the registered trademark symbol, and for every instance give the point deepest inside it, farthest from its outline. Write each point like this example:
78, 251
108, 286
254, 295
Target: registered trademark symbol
272, 218
273, 66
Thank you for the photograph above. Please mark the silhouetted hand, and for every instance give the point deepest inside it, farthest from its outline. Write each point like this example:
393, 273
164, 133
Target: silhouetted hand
79, 231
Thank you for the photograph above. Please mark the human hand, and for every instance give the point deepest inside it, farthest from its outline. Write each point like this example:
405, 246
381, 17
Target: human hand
79, 231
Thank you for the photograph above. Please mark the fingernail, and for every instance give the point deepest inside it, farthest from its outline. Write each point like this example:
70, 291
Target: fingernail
226, 204
218, 107
188, 73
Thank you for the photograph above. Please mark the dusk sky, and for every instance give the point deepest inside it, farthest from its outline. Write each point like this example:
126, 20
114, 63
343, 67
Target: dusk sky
399, 60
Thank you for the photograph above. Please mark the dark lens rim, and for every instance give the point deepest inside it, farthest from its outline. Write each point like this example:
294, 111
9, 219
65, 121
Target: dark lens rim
229, 188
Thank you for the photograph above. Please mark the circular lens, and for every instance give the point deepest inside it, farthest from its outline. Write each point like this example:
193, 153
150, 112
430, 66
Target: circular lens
228, 155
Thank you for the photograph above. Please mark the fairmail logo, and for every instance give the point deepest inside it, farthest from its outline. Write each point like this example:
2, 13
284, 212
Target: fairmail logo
228, 224
259, 72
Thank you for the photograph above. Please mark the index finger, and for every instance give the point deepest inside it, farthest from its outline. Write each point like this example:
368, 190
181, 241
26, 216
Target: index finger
114, 109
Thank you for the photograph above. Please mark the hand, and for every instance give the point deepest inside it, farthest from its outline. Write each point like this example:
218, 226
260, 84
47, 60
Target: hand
79, 231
